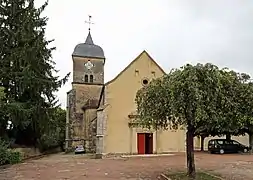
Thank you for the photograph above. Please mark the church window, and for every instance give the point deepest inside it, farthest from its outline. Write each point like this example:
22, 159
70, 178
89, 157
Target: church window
89, 65
145, 82
86, 78
153, 72
91, 78
136, 72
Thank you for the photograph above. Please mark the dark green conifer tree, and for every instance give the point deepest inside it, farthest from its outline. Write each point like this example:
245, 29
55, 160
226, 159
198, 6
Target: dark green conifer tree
27, 69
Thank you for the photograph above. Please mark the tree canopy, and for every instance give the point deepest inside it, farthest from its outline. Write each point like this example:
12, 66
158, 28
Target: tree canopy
168, 101
200, 99
217, 97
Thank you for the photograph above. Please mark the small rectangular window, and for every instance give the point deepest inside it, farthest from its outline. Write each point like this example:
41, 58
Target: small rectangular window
136, 72
153, 73
91, 78
86, 78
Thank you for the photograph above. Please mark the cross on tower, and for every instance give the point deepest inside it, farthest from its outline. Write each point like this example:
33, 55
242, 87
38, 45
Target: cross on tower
89, 22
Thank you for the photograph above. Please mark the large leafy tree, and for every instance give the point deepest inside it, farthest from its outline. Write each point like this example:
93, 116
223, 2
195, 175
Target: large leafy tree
185, 97
27, 70
229, 104
198, 98
245, 101
236, 105
231, 108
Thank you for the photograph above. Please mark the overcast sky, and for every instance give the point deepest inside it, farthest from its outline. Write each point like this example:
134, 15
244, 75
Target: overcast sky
173, 32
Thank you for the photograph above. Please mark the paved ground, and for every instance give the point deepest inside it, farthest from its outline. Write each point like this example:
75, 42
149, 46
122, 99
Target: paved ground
60, 166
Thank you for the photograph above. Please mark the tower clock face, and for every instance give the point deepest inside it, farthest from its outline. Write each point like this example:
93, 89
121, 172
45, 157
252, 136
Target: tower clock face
89, 65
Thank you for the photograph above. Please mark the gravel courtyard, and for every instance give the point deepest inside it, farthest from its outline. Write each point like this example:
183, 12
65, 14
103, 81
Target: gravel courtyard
62, 166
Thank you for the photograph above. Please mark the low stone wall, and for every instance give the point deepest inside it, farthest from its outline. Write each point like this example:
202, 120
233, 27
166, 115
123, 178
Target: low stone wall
31, 153
28, 152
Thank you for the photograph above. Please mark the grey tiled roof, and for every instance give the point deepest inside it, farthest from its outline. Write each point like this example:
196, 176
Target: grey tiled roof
88, 49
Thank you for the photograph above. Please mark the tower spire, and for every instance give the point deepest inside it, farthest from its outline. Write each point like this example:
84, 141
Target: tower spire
89, 22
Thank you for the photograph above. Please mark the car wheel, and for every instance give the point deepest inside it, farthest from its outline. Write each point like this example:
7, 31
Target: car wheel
245, 150
221, 151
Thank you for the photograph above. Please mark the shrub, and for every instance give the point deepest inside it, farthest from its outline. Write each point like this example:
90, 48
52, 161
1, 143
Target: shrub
48, 141
3, 152
14, 157
8, 156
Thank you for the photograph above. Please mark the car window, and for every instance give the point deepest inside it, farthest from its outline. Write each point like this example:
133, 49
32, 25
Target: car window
228, 142
235, 142
220, 142
211, 142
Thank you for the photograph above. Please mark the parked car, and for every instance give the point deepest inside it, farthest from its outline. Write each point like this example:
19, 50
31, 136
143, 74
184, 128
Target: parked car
222, 146
79, 149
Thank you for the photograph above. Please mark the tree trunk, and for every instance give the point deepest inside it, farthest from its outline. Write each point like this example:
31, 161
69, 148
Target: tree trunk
190, 153
202, 138
228, 136
250, 142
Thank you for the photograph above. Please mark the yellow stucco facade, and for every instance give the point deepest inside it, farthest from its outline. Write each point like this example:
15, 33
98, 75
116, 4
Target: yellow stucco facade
120, 103
120, 94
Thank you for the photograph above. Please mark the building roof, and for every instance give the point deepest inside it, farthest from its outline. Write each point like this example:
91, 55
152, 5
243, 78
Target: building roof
88, 49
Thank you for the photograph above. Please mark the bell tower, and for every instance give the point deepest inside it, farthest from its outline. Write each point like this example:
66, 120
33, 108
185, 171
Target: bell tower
88, 62
85, 96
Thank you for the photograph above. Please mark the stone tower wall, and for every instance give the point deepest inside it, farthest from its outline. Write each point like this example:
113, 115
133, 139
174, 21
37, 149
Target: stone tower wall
79, 70
83, 102
90, 129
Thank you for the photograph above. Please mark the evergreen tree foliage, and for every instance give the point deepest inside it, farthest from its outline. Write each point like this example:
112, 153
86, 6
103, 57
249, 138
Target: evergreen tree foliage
54, 136
3, 118
27, 69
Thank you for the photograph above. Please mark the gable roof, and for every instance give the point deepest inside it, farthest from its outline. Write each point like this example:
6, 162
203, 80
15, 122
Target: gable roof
143, 52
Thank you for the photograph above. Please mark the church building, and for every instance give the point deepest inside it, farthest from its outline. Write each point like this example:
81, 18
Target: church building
99, 113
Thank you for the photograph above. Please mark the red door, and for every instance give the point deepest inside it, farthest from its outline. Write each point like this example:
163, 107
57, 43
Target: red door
141, 143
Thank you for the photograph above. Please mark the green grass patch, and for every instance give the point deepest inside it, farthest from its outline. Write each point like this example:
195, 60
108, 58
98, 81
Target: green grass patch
199, 176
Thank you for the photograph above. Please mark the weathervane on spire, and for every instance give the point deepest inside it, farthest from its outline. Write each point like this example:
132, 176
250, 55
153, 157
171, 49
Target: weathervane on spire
89, 22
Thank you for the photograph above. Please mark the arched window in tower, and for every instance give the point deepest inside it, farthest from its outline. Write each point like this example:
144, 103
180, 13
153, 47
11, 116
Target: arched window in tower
91, 78
86, 78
